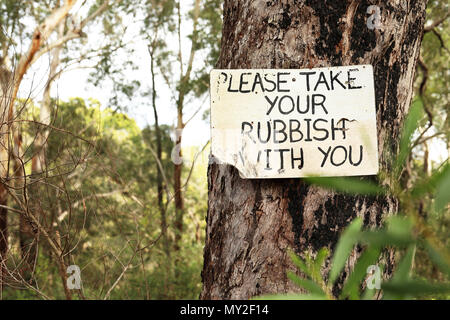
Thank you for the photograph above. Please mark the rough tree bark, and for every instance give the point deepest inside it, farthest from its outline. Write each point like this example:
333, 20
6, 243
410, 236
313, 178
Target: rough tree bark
252, 223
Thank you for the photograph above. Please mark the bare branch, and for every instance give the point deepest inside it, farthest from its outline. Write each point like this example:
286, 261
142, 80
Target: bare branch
436, 23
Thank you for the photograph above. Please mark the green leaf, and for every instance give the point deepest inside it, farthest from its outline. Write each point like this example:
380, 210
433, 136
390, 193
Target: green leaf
443, 191
402, 274
399, 226
300, 264
410, 125
384, 238
309, 285
404, 267
414, 288
318, 262
430, 184
352, 285
347, 185
344, 246
321, 256
369, 294
398, 233
438, 259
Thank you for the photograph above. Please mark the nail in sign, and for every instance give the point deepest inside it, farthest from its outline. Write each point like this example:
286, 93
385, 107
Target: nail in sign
286, 123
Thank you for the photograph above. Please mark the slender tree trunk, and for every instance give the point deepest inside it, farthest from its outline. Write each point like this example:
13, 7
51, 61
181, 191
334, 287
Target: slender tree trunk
251, 223
179, 201
159, 176
185, 78
178, 168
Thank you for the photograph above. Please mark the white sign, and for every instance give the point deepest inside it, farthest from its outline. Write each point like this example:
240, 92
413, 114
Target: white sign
295, 123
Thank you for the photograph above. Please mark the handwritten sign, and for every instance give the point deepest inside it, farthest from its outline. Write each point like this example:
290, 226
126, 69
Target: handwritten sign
295, 123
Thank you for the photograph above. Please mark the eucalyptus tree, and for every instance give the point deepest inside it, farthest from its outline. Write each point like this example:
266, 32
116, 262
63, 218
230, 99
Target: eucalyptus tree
251, 223
182, 41
185, 76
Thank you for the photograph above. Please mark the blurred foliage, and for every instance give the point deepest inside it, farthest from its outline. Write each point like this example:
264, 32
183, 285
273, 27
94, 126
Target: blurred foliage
100, 193
408, 232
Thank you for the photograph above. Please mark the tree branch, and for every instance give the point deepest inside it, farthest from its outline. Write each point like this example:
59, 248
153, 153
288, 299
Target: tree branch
436, 23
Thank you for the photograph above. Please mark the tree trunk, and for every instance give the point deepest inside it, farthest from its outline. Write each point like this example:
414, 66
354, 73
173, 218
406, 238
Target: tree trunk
159, 174
251, 223
183, 90
179, 201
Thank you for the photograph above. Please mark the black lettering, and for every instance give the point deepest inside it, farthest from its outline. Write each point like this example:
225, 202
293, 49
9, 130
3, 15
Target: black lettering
308, 130
335, 128
268, 151
281, 151
350, 79
271, 82
296, 129
292, 105
293, 159
321, 103
360, 156
279, 81
322, 79
272, 104
268, 132
307, 74
307, 105
248, 124
325, 155
326, 134
242, 83
242, 158
229, 85
332, 156
258, 81
259, 156
276, 131
335, 78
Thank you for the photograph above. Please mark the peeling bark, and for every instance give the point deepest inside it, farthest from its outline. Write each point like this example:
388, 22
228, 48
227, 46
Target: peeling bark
251, 223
